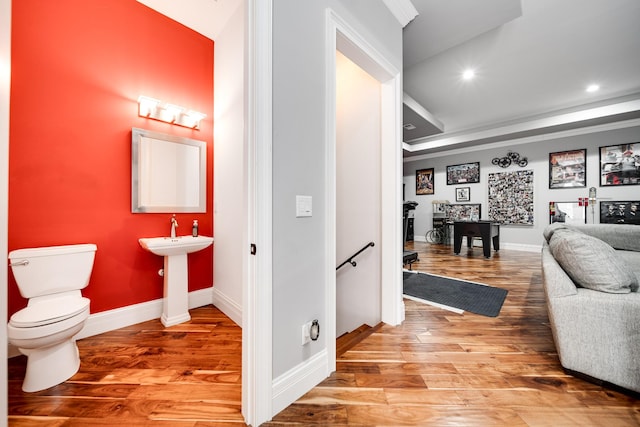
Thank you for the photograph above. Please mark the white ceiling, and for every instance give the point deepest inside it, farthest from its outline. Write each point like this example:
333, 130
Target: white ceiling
529, 66
533, 60
208, 17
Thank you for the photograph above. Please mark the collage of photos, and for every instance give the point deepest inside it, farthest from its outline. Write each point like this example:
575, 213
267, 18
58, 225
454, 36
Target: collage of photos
511, 197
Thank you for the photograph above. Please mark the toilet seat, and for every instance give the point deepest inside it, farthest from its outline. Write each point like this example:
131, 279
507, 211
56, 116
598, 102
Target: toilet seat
41, 313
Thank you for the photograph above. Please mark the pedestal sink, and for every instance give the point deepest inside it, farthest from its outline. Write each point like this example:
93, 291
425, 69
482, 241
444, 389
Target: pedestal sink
175, 306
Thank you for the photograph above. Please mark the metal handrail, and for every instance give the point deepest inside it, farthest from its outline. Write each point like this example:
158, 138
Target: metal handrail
350, 260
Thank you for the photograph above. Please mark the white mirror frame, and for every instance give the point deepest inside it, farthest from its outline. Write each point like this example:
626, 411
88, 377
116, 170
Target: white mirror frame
173, 179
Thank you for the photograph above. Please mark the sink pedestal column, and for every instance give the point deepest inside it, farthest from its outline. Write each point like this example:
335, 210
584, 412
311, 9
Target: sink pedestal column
175, 304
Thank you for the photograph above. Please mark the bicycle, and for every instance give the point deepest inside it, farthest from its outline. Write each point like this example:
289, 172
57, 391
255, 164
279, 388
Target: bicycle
435, 236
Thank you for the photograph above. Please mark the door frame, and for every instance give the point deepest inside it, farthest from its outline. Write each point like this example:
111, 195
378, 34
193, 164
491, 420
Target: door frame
341, 36
257, 377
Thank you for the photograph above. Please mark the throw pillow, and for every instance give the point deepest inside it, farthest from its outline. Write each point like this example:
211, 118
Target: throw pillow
591, 262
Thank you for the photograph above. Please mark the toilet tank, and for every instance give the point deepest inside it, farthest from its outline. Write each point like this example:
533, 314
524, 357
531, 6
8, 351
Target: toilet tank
52, 269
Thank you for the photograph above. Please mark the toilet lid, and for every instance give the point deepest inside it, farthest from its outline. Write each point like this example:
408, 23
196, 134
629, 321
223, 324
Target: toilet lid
46, 312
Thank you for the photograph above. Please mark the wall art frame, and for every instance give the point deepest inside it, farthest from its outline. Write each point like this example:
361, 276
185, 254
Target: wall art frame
465, 173
511, 197
567, 212
620, 164
620, 212
463, 212
425, 182
463, 194
568, 169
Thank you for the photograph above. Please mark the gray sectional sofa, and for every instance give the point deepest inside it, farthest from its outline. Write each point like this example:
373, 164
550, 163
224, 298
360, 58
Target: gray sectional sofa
590, 278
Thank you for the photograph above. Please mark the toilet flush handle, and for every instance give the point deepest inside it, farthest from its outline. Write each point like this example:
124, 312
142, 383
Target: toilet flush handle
19, 263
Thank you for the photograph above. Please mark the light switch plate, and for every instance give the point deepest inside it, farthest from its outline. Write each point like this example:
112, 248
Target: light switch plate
304, 206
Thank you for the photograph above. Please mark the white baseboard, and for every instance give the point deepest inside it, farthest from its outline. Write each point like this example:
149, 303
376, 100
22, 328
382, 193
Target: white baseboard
290, 386
522, 247
229, 307
111, 320
503, 245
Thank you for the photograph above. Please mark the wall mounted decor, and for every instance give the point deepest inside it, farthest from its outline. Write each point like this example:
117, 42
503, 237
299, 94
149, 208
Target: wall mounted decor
568, 212
620, 165
620, 212
467, 173
568, 169
424, 182
510, 158
168, 173
463, 194
511, 197
463, 212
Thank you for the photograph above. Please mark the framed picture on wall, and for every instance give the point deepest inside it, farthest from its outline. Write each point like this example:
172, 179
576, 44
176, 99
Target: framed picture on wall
568, 169
424, 181
463, 194
511, 197
624, 212
463, 212
620, 165
567, 212
466, 173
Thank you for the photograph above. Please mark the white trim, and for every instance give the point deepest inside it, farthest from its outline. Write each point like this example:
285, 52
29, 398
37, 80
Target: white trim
403, 10
257, 355
392, 304
514, 141
521, 247
110, 320
290, 386
5, 85
229, 307
330, 191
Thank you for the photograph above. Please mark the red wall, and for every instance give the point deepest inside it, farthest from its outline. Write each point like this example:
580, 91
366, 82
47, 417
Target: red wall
78, 68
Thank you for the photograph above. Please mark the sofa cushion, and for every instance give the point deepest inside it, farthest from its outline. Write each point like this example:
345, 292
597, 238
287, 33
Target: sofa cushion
591, 262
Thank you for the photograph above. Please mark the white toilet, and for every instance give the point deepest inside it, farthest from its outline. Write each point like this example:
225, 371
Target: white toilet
51, 278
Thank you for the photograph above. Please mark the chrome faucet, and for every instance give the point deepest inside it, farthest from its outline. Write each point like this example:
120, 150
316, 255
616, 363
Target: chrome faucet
174, 225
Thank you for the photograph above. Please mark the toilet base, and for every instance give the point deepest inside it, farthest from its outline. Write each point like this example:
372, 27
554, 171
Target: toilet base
50, 366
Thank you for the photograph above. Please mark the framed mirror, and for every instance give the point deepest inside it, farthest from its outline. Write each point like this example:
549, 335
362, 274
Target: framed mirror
168, 173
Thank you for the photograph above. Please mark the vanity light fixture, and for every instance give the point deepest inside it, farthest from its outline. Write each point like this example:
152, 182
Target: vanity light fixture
155, 109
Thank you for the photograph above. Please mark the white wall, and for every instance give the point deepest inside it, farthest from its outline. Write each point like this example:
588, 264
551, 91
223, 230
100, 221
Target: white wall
5, 85
229, 171
299, 135
358, 196
537, 152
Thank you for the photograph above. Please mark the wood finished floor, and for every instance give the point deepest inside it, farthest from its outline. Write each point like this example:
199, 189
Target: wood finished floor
438, 368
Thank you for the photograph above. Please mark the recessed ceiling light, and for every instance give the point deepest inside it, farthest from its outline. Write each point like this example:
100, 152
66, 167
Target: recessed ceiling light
593, 88
468, 74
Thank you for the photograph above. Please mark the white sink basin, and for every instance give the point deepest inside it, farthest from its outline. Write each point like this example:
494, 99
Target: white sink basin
175, 305
168, 246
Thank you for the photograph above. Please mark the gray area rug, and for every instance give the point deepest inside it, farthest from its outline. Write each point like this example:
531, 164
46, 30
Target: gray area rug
467, 296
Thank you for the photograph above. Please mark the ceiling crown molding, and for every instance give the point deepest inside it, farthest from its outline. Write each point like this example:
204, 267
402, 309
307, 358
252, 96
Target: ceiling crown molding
403, 10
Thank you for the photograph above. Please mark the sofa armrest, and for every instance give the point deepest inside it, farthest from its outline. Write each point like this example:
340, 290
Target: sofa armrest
598, 334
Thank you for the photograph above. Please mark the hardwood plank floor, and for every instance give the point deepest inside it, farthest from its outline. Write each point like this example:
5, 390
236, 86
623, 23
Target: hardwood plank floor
444, 369
188, 375
437, 368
